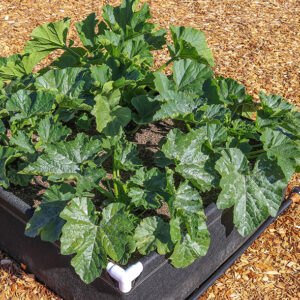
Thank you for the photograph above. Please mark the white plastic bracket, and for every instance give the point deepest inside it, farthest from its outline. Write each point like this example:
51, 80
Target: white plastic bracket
124, 277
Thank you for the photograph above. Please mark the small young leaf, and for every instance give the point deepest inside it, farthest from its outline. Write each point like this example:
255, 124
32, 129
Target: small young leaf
81, 235
84, 121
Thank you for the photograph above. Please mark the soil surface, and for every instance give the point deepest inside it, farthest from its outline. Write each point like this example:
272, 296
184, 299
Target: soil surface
254, 42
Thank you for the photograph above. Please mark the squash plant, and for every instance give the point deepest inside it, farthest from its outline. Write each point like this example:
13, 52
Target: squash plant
72, 122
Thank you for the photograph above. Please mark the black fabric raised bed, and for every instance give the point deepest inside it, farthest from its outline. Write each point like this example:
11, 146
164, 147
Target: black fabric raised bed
159, 279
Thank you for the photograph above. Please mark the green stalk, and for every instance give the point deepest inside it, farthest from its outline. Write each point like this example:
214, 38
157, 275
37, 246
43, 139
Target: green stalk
134, 130
166, 64
106, 193
257, 145
188, 127
72, 52
108, 184
256, 152
115, 176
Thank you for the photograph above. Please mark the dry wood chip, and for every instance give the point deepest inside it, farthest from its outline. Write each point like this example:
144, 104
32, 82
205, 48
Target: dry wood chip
254, 42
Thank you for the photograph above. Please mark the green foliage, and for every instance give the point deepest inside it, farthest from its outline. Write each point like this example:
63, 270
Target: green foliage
74, 123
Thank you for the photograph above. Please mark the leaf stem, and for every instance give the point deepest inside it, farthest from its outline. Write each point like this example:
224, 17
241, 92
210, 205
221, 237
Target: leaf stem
134, 130
188, 127
108, 184
256, 152
166, 64
257, 145
115, 175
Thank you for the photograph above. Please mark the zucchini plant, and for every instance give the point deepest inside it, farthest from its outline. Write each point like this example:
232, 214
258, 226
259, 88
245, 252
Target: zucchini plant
74, 122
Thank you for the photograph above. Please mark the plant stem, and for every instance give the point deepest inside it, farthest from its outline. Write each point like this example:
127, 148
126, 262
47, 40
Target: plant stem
140, 214
257, 145
188, 127
134, 130
115, 184
72, 52
256, 152
108, 184
166, 64
106, 193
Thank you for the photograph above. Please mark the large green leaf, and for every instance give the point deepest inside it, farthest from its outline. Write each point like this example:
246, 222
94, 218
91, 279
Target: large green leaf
178, 106
89, 179
190, 75
187, 225
28, 103
13, 67
64, 158
101, 74
274, 104
69, 84
146, 108
180, 96
81, 235
86, 31
188, 248
153, 234
46, 219
185, 200
212, 112
126, 156
114, 229
23, 142
147, 188
193, 161
190, 43
254, 194
285, 150
48, 37
277, 113
52, 132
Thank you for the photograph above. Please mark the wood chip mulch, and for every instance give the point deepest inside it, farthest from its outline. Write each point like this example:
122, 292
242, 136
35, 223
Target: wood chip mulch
256, 42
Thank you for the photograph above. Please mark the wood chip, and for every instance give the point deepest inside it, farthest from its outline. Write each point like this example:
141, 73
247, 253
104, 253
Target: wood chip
254, 42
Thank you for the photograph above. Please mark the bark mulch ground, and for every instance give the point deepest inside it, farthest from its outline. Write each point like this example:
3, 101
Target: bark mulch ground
254, 42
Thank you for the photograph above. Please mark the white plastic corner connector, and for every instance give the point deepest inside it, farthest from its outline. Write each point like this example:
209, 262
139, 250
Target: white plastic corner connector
124, 277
